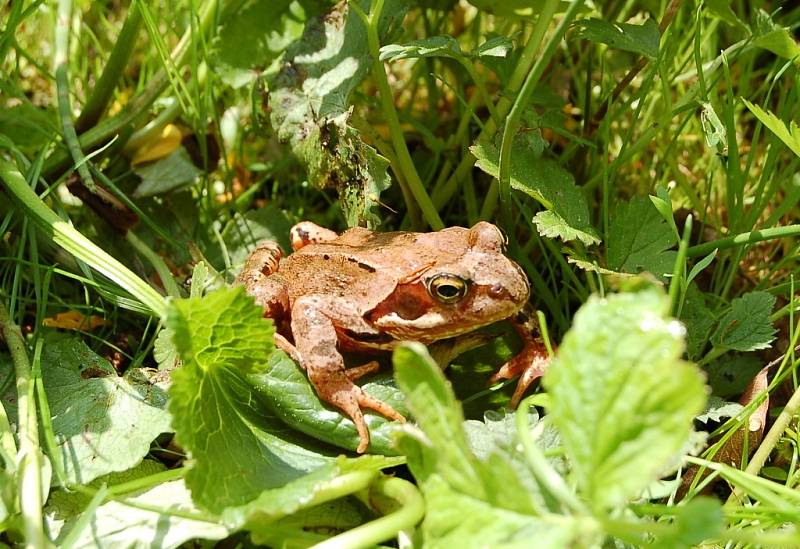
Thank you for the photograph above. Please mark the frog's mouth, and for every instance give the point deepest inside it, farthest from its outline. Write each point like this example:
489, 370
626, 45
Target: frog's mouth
431, 326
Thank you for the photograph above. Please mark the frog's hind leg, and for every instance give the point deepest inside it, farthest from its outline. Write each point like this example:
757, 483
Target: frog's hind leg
306, 232
316, 339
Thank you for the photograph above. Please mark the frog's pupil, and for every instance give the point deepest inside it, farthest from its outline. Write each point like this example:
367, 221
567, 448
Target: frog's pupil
448, 290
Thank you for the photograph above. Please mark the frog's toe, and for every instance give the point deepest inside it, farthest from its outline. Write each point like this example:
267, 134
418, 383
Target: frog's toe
358, 372
367, 401
529, 365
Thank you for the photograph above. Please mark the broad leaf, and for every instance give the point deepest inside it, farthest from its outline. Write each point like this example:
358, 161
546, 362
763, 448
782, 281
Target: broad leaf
547, 182
772, 37
746, 326
292, 398
102, 422
243, 232
728, 376
434, 46
117, 524
621, 397
498, 46
698, 319
718, 409
642, 39
456, 483
700, 519
639, 239
237, 448
309, 100
170, 173
256, 33
790, 136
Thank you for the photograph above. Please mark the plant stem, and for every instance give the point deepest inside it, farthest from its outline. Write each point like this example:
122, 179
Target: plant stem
411, 508
744, 238
543, 21
66, 236
404, 161
101, 94
30, 457
62, 92
679, 270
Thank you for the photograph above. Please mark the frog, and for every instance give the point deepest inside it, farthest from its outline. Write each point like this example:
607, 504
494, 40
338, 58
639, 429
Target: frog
365, 291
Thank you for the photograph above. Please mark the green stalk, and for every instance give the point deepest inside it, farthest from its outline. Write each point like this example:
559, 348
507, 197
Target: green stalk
66, 236
62, 93
512, 123
110, 127
31, 459
101, 94
404, 162
744, 238
411, 508
443, 194
679, 270
543, 21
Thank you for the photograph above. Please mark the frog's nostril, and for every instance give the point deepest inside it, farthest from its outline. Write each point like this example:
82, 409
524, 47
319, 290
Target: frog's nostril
497, 290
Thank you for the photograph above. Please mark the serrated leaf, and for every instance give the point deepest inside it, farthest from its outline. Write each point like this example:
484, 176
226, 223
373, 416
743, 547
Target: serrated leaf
718, 409
790, 136
547, 182
237, 448
772, 37
642, 39
102, 422
170, 173
639, 239
293, 399
621, 397
746, 326
434, 46
730, 375
309, 99
123, 524
492, 490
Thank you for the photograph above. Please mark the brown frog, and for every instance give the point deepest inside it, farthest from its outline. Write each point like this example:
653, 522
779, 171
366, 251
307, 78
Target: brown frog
365, 291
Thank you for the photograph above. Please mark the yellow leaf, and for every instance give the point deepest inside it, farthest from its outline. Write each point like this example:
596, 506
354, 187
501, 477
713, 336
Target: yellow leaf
73, 320
160, 146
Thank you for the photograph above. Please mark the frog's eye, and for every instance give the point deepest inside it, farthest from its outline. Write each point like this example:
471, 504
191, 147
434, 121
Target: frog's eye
447, 288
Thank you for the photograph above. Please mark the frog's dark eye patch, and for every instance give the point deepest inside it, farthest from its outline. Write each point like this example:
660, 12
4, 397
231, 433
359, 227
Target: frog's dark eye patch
447, 288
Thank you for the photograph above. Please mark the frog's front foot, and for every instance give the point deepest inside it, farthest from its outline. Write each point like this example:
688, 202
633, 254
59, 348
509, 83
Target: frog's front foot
351, 399
529, 365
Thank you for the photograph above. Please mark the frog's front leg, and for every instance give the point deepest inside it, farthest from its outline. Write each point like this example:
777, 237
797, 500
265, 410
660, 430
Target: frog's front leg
315, 338
532, 361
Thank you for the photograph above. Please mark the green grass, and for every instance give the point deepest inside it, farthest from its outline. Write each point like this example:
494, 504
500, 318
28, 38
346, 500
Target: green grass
662, 151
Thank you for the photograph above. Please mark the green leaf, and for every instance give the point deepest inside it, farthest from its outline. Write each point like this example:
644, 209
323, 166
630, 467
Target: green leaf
790, 136
493, 491
663, 204
237, 448
123, 524
730, 376
621, 398
713, 129
498, 46
309, 103
772, 37
639, 239
307, 491
698, 319
434, 46
292, 398
718, 409
256, 33
170, 173
102, 422
746, 326
694, 522
548, 183
642, 39
722, 8
27, 126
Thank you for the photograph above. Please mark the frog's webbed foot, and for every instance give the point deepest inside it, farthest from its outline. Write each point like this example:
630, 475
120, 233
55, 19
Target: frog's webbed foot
531, 362
306, 232
316, 338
